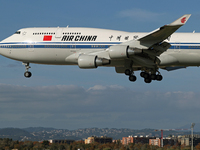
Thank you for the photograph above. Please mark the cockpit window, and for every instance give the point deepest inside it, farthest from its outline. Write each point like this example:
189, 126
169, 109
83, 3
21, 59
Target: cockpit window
18, 32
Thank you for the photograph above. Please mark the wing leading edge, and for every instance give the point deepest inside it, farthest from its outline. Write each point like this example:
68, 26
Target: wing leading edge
164, 32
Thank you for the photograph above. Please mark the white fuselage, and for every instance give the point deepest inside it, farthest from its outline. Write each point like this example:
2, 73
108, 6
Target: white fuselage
54, 45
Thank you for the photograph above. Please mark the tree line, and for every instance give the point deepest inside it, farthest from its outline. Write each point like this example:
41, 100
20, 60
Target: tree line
9, 144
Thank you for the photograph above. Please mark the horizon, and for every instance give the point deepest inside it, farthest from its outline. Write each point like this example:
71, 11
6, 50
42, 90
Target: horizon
178, 129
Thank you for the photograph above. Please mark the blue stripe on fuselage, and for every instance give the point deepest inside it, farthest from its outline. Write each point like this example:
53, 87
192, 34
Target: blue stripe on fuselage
84, 45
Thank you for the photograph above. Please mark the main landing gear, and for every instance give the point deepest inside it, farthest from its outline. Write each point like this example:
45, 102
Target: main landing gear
129, 73
27, 73
148, 77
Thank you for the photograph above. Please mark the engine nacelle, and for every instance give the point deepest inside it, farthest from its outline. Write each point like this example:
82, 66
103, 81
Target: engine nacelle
91, 61
122, 51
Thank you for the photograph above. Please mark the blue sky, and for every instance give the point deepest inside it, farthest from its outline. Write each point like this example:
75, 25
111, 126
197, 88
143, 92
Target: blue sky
70, 98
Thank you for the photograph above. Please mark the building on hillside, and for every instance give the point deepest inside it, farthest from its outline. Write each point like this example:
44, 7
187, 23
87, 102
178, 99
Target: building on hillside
89, 140
135, 139
61, 141
127, 140
102, 139
115, 141
187, 141
189, 136
155, 142
142, 139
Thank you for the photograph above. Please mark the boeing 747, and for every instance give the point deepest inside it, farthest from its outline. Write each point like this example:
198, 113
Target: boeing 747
90, 48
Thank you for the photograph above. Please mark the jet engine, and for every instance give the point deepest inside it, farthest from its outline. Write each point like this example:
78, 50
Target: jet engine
91, 61
122, 51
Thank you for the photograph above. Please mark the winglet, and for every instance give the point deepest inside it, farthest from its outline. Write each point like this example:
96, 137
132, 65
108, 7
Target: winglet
181, 21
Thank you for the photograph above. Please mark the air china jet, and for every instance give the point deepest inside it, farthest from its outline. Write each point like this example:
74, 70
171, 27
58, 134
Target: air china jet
89, 48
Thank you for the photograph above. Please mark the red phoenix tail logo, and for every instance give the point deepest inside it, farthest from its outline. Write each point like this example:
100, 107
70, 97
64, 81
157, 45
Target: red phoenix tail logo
183, 20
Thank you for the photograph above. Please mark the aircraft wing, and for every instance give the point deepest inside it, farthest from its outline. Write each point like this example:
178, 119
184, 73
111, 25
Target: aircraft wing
145, 50
164, 32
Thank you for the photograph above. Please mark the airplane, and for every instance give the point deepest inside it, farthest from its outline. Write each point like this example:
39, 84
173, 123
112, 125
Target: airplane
93, 47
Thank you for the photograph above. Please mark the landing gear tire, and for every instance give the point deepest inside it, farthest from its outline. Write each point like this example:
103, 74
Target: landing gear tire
153, 76
127, 72
27, 74
142, 74
146, 75
132, 78
159, 77
147, 80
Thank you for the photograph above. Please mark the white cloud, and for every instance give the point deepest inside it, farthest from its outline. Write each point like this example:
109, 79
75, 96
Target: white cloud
97, 87
100, 106
101, 87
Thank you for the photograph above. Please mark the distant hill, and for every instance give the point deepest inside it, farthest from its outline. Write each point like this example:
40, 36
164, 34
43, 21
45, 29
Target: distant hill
187, 126
38, 129
14, 133
41, 133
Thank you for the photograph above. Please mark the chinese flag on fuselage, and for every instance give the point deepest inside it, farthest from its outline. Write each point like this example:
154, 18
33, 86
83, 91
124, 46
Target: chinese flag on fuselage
47, 38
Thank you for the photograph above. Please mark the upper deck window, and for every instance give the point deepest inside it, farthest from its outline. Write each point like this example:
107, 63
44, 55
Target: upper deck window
18, 32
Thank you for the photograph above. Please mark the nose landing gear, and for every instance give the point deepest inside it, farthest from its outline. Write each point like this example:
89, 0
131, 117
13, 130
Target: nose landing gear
27, 73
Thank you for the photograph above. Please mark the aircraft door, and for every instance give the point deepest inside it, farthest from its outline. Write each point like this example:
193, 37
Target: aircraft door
58, 32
